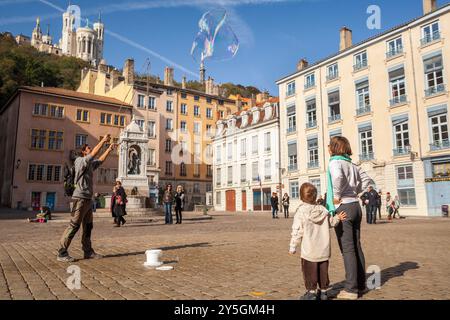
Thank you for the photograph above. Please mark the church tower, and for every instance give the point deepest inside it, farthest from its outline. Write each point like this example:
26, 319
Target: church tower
68, 34
36, 37
99, 30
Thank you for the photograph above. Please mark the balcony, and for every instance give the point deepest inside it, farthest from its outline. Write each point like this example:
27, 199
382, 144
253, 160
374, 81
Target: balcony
334, 118
313, 164
432, 91
218, 184
332, 76
398, 100
230, 183
267, 177
291, 129
243, 180
401, 151
255, 179
361, 65
292, 167
290, 93
430, 38
310, 85
440, 145
394, 52
311, 124
363, 110
366, 156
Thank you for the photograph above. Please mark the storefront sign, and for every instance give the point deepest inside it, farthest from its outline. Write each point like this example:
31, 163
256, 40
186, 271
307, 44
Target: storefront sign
437, 179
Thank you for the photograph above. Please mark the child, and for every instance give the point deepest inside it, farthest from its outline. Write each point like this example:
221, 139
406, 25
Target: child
312, 222
43, 216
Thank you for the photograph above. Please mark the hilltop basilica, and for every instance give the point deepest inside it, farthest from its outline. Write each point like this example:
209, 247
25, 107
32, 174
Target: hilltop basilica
85, 43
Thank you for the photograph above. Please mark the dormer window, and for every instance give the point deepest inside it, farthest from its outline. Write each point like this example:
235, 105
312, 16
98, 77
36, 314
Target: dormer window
256, 113
268, 111
220, 128
244, 122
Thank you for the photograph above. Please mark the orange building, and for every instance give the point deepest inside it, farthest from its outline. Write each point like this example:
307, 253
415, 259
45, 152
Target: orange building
40, 128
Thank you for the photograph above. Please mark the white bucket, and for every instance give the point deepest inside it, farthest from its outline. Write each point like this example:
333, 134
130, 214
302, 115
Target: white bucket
153, 257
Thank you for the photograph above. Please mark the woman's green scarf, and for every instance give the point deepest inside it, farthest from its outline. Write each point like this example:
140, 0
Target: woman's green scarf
330, 194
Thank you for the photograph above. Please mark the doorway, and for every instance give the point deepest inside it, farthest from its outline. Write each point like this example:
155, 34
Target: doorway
230, 201
36, 200
244, 200
50, 200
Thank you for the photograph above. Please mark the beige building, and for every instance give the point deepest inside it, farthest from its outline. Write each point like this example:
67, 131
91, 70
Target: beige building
389, 96
40, 130
180, 124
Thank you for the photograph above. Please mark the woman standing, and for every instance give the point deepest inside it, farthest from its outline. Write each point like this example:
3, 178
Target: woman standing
344, 182
118, 204
388, 205
285, 203
179, 204
274, 203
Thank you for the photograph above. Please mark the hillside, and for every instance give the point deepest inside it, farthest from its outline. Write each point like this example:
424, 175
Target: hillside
24, 65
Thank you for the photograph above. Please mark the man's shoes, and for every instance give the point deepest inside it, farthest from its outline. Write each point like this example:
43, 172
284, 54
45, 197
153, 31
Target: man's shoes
124, 221
345, 295
65, 258
93, 255
323, 295
309, 295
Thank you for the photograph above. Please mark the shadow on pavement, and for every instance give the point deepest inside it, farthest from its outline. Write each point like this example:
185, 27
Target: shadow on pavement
136, 253
386, 275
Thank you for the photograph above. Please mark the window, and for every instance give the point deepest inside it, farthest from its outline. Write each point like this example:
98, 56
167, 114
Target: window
58, 173
168, 168
397, 86
401, 136
108, 118
218, 154
55, 140
255, 172
209, 130
336, 133
209, 171
334, 106
196, 98
221, 102
439, 129
292, 155
221, 114
360, 61
218, 198
151, 103
169, 106
218, 177
362, 97
430, 33
80, 139
291, 119
169, 92
255, 145
102, 118
434, 75
40, 172
310, 81
141, 101
267, 169
290, 89
36, 109
196, 188
183, 126
267, 142
183, 109
122, 121
31, 171
152, 129
151, 157
316, 183
405, 185
243, 172
365, 142
196, 111
182, 169
230, 175
311, 114
441, 170
197, 127
313, 153
44, 109
168, 145
183, 95
394, 47
293, 187
209, 151
209, 113
183, 146
208, 100
60, 112
197, 149
230, 151
116, 120
169, 125
243, 148
82, 115
140, 123
38, 139
332, 72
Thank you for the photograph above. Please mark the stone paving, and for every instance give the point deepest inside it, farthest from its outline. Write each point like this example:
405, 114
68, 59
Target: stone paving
231, 256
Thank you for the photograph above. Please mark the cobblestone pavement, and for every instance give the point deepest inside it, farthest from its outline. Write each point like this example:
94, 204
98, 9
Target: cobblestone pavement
240, 256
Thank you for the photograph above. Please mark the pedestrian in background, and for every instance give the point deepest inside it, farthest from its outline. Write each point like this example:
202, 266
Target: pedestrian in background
118, 204
388, 205
396, 207
370, 200
168, 199
379, 200
179, 204
285, 203
274, 203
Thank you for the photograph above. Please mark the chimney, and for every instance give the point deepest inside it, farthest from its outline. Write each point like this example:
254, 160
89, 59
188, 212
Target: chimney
115, 74
346, 39
302, 64
209, 86
183, 82
429, 6
128, 71
168, 76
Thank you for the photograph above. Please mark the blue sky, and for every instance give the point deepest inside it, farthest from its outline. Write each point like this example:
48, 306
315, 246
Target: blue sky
273, 34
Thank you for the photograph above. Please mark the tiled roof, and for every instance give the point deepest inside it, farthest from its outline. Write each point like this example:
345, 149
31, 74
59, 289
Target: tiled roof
75, 94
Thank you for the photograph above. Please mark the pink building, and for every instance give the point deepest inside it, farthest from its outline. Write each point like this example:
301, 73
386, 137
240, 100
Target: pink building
40, 128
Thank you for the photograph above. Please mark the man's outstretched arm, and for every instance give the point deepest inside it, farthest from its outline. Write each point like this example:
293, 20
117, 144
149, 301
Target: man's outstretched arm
107, 152
99, 146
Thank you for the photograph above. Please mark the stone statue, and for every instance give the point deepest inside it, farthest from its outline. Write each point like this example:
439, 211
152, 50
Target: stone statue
134, 162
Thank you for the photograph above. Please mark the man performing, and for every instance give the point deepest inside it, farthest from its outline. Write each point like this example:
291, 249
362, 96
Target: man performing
82, 196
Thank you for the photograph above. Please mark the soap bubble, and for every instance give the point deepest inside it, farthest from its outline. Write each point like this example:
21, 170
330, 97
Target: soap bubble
215, 40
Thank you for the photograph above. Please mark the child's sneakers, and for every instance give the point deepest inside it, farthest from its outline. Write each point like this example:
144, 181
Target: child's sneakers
309, 295
345, 295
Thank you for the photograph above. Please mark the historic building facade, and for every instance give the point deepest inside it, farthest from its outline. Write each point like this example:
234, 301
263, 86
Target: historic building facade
40, 129
247, 159
389, 96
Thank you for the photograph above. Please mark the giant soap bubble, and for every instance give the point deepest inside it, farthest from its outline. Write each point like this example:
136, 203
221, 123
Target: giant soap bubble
215, 40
